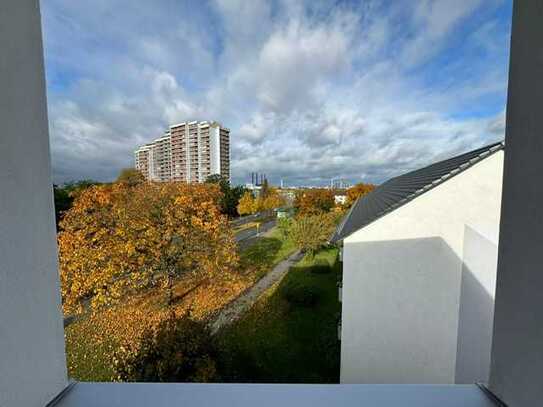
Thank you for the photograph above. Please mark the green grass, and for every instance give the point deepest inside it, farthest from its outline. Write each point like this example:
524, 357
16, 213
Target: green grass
266, 252
280, 341
86, 357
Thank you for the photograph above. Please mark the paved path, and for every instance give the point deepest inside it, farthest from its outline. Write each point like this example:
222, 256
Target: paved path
241, 304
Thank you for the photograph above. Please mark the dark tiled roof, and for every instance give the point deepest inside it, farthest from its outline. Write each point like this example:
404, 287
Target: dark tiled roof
399, 190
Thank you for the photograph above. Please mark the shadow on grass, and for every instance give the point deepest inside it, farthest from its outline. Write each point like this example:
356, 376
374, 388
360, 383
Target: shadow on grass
262, 253
284, 340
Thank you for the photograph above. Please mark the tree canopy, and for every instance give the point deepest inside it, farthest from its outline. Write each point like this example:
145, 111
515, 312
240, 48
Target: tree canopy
119, 238
311, 232
176, 350
248, 204
314, 201
130, 176
64, 195
230, 195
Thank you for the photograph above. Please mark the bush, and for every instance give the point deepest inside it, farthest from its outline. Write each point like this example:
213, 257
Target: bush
177, 350
301, 294
321, 267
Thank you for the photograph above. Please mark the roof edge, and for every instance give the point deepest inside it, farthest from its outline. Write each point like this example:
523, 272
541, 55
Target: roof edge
338, 237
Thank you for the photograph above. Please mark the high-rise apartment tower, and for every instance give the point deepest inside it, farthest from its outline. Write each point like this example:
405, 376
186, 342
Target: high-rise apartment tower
189, 151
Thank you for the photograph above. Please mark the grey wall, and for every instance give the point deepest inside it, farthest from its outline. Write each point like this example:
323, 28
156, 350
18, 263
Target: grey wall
32, 365
476, 313
517, 354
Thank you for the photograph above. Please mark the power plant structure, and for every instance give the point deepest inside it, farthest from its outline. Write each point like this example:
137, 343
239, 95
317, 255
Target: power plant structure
258, 179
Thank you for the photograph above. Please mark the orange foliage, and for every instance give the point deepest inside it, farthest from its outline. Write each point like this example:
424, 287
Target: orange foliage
93, 342
314, 201
118, 238
273, 200
357, 191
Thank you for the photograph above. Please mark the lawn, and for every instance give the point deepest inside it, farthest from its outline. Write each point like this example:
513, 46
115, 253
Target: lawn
289, 341
266, 252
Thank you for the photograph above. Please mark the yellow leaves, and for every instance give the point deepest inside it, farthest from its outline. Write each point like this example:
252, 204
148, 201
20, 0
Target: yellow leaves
100, 335
273, 200
246, 204
119, 238
314, 201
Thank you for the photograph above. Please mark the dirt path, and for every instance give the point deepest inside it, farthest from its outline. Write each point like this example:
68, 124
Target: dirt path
241, 304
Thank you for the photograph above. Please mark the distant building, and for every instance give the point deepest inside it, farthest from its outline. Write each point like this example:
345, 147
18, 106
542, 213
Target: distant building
144, 160
340, 199
188, 152
338, 183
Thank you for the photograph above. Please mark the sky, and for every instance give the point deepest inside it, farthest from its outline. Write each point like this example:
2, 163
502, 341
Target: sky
310, 90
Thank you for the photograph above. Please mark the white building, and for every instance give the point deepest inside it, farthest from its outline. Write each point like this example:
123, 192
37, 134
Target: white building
419, 274
340, 199
188, 152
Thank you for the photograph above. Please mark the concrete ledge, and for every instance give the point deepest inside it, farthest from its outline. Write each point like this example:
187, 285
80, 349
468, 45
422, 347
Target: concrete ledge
272, 395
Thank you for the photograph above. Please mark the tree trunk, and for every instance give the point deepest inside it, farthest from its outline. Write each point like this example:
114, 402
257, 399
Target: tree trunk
170, 289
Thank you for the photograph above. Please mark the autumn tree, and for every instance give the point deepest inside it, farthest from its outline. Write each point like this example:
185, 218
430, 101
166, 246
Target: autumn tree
314, 201
118, 239
311, 232
247, 204
273, 200
357, 191
130, 176
64, 196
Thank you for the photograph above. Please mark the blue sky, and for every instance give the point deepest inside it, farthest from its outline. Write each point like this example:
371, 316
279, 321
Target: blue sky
361, 90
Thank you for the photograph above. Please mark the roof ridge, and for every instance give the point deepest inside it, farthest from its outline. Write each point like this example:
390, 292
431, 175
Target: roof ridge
406, 187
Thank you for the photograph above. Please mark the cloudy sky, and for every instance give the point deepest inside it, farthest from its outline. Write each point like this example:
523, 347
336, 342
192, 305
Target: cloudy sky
361, 90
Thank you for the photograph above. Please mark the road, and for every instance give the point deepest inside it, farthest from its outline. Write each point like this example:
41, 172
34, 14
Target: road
244, 219
243, 237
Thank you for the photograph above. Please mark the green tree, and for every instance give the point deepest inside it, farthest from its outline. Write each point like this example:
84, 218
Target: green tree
63, 202
64, 196
230, 195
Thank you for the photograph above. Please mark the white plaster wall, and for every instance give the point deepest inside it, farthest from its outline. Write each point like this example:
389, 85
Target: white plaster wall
32, 362
379, 286
476, 315
401, 329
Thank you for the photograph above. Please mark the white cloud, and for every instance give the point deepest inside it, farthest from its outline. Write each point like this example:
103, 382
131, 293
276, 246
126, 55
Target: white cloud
310, 90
